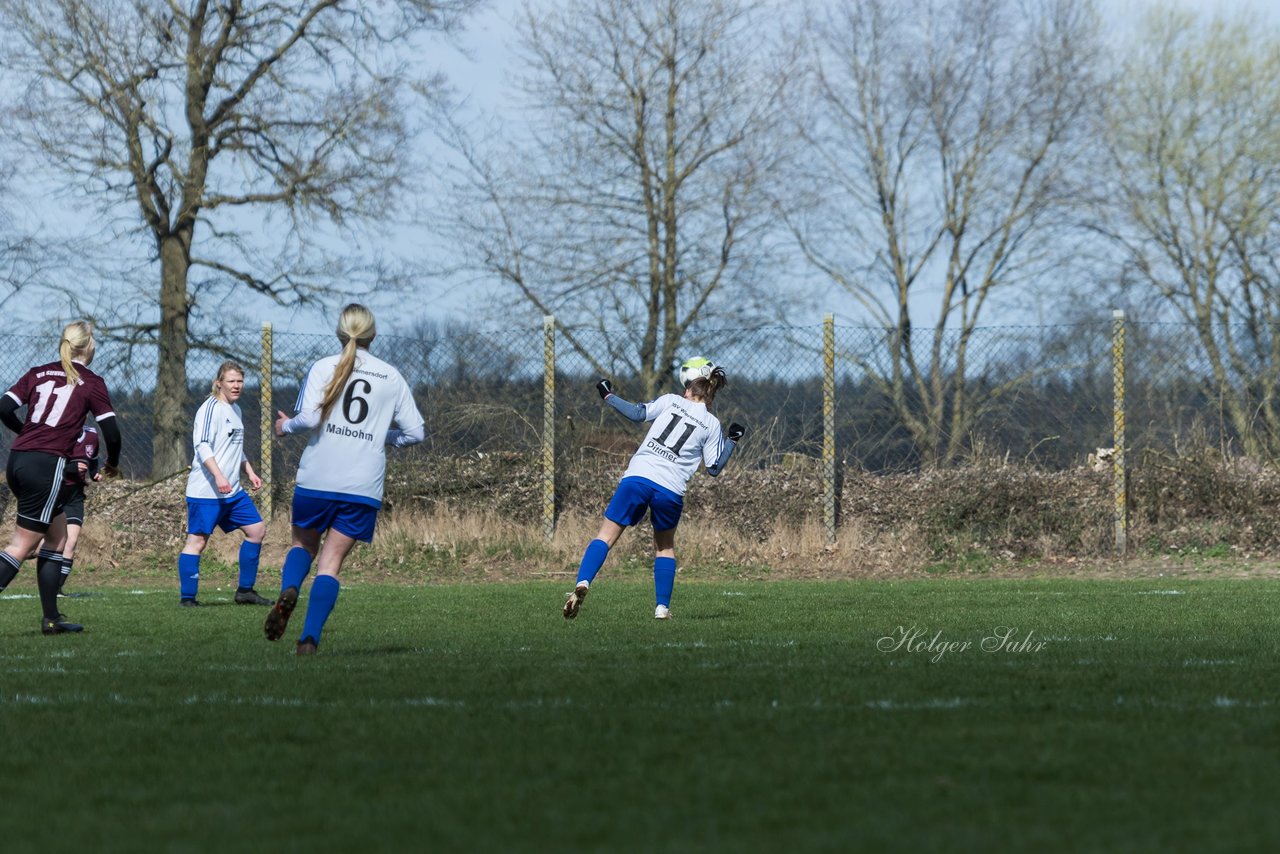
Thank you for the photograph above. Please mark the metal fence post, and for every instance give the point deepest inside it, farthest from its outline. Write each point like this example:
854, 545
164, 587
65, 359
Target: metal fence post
266, 422
549, 426
829, 426
1119, 481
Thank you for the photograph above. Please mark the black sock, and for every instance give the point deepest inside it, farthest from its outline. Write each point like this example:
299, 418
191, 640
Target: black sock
66, 570
48, 572
9, 566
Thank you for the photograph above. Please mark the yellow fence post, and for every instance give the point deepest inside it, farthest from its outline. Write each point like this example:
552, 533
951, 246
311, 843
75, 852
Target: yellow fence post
549, 426
1119, 481
266, 422
829, 426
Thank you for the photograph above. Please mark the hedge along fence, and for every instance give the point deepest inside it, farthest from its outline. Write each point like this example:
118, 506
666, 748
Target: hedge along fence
1045, 396
555, 411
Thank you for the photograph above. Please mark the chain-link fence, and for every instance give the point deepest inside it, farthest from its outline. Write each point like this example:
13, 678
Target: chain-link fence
890, 400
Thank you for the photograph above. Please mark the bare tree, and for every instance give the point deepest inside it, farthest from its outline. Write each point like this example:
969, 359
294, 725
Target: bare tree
941, 138
238, 137
1193, 131
632, 202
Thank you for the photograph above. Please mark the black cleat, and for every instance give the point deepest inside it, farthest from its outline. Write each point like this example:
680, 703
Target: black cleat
59, 626
189, 602
278, 616
307, 646
250, 597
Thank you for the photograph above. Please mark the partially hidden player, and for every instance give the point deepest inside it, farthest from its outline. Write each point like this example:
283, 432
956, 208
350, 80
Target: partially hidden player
684, 435
83, 467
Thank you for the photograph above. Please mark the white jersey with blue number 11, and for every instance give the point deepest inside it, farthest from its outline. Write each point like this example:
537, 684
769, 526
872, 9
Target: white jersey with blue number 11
345, 459
684, 434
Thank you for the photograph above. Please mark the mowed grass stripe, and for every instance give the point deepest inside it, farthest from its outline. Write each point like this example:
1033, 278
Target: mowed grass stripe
765, 714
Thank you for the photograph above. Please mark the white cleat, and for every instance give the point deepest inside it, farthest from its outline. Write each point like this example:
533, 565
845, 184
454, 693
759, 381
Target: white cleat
574, 602
662, 612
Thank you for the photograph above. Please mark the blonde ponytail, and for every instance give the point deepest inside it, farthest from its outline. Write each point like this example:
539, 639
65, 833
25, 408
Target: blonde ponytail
356, 329
77, 343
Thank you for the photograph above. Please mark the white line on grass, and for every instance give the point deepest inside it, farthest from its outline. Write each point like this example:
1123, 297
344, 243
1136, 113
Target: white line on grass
914, 705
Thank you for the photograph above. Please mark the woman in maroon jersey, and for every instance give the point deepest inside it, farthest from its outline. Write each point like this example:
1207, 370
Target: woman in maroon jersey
58, 396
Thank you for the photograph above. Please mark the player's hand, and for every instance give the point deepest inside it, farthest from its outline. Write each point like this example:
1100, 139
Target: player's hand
280, 419
255, 482
605, 388
109, 471
82, 467
735, 432
97, 477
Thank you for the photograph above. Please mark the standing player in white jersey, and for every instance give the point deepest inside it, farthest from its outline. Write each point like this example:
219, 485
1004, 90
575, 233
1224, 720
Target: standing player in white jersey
348, 403
214, 496
684, 435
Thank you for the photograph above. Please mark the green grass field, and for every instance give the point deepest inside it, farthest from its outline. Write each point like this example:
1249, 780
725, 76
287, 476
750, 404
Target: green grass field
1136, 715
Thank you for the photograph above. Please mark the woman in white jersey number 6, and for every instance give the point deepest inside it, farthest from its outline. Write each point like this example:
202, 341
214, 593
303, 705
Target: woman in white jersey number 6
347, 403
683, 436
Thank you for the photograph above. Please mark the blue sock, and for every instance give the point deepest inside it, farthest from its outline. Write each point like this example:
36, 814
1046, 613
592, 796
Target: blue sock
188, 575
297, 565
592, 560
249, 554
664, 579
324, 595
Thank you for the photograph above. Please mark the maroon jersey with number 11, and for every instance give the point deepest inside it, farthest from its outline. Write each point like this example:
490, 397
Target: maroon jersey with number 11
55, 410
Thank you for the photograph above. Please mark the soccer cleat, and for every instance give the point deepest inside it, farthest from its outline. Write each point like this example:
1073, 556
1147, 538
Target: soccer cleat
307, 646
59, 626
250, 597
278, 616
189, 602
662, 612
574, 602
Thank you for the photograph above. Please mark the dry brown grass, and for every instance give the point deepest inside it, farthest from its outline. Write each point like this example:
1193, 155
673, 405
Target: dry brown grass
479, 519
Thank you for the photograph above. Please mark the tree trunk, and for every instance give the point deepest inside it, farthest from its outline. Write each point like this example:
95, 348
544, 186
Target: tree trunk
169, 418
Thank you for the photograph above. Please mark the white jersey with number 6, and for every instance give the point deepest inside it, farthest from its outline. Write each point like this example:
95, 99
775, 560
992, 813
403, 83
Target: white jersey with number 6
345, 458
683, 435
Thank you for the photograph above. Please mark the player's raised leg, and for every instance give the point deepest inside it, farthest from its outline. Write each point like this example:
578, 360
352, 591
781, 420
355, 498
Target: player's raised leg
324, 590
297, 565
592, 559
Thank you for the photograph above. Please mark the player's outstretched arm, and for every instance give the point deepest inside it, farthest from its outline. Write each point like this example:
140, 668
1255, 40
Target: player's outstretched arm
403, 438
300, 423
731, 438
633, 411
111, 441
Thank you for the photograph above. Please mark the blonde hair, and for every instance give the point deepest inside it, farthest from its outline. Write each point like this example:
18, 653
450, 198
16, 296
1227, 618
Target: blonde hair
356, 329
228, 365
77, 343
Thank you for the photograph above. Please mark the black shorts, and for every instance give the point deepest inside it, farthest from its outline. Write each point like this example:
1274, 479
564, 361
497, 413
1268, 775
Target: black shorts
72, 501
35, 479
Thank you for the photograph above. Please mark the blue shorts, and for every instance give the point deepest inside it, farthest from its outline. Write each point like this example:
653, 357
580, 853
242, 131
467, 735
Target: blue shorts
635, 495
238, 511
352, 518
